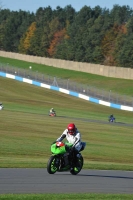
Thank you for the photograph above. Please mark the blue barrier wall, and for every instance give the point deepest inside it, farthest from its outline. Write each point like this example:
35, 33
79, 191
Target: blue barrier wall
72, 93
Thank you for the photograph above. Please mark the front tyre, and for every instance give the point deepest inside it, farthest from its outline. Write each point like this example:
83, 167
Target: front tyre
53, 164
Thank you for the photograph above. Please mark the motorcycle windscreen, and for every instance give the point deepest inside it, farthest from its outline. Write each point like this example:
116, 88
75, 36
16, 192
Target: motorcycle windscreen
58, 149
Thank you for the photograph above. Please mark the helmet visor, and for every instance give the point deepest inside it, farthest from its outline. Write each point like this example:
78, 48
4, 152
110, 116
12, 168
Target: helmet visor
71, 131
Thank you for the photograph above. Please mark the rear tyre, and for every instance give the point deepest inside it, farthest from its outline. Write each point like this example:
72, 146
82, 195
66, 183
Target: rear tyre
77, 166
53, 164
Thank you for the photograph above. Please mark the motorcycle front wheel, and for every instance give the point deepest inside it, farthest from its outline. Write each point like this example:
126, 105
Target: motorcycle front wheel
53, 164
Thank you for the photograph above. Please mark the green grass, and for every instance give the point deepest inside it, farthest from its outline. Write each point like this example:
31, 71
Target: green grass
120, 86
26, 130
67, 197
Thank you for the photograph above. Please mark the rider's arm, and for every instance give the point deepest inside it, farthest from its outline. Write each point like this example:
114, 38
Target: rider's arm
62, 136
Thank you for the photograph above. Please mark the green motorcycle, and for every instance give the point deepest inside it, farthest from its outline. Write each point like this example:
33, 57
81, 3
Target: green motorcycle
62, 159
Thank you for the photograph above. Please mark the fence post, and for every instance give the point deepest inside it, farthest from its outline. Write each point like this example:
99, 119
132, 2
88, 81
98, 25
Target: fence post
109, 95
36, 75
67, 83
7, 67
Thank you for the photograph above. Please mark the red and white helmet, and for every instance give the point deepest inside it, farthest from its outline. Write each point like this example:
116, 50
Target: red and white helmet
71, 129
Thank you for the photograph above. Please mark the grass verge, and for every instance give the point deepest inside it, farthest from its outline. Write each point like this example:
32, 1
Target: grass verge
115, 85
67, 196
26, 130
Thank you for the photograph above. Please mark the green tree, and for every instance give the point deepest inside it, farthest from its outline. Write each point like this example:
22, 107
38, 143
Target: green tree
120, 14
4, 15
124, 46
14, 29
125, 56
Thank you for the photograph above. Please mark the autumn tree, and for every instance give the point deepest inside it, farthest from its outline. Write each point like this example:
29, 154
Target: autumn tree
25, 42
109, 42
124, 46
58, 36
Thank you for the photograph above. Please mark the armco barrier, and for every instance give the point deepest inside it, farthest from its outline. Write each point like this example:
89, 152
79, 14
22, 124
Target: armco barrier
72, 93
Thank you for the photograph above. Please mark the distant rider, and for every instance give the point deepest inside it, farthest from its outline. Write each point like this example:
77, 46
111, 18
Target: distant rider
52, 111
1, 106
111, 117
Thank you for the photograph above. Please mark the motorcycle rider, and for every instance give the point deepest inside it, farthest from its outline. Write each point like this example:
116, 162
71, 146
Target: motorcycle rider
52, 110
73, 136
1, 106
111, 116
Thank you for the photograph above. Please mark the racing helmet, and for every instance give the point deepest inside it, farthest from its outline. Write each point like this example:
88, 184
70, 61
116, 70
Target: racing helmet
71, 129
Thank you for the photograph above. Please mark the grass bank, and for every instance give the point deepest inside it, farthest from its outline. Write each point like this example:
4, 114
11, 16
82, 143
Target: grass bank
120, 86
26, 130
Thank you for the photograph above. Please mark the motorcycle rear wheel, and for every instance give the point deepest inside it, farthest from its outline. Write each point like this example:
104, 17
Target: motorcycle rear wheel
78, 166
53, 165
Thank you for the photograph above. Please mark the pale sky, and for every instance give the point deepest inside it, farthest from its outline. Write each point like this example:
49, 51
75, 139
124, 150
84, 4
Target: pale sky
33, 5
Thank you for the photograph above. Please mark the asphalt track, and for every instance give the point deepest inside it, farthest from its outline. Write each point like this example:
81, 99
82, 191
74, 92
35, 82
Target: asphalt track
117, 123
26, 181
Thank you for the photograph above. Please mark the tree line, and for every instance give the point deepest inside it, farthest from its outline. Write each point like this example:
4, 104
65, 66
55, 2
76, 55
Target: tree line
92, 35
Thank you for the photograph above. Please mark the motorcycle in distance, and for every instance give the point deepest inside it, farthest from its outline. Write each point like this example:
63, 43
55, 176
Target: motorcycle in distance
52, 114
63, 160
1, 106
111, 119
